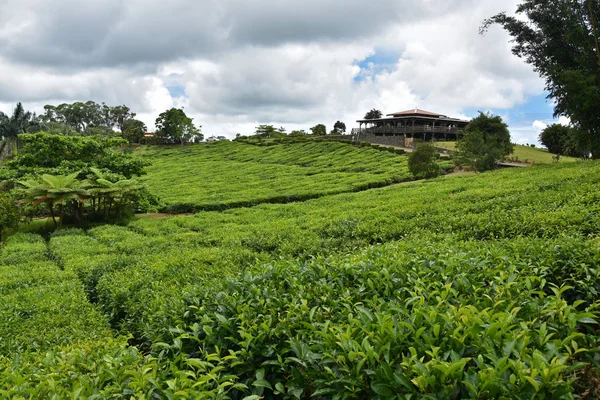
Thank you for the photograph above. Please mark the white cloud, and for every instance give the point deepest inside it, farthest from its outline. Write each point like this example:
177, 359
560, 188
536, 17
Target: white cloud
240, 63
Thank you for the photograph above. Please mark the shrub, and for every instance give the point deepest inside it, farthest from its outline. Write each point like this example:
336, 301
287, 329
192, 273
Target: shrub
9, 214
422, 164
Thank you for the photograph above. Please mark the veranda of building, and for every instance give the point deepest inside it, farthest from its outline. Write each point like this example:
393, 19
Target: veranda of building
410, 125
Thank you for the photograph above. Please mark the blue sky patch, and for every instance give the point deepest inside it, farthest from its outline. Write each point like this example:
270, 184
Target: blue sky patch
380, 61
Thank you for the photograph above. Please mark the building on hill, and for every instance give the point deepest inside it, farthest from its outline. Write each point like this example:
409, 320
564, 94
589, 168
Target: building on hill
404, 127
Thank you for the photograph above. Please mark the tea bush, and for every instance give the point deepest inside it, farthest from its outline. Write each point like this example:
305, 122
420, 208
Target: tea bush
224, 175
480, 286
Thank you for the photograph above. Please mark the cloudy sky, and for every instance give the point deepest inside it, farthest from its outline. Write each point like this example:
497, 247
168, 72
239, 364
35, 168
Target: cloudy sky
234, 64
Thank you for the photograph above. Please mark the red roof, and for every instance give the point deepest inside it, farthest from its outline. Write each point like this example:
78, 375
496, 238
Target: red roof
416, 111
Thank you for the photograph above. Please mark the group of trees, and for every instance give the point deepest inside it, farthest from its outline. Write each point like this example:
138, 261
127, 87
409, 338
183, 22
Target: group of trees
271, 132
565, 140
93, 119
485, 141
71, 177
560, 39
174, 126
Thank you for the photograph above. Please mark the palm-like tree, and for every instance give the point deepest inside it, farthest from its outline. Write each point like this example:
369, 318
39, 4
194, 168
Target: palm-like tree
11, 127
56, 191
107, 192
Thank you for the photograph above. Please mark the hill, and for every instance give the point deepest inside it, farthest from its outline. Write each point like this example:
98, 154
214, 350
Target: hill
226, 174
481, 286
522, 153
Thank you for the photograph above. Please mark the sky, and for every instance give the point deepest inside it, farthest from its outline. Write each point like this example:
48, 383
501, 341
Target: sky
235, 64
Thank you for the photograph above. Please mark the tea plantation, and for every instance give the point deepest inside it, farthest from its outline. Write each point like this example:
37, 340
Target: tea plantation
483, 286
225, 174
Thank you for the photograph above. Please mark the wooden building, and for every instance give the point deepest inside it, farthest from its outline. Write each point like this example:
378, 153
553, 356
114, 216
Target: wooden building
411, 124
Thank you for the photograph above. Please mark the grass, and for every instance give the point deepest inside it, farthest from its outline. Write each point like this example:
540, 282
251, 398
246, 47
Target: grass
522, 153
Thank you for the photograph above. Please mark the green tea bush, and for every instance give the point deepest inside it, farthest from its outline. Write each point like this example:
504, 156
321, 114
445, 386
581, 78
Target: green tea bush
481, 286
422, 162
224, 175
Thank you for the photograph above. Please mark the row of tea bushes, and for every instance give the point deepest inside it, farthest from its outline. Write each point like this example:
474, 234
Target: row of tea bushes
142, 273
432, 318
225, 175
42, 306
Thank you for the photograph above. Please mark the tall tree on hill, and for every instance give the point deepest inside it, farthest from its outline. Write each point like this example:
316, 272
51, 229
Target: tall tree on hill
560, 39
339, 127
134, 130
487, 140
11, 127
173, 126
319, 130
373, 114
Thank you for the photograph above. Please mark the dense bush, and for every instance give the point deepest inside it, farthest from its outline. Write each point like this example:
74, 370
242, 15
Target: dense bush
56, 154
422, 162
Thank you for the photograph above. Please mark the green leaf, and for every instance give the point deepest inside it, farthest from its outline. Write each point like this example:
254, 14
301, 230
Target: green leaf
382, 389
262, 383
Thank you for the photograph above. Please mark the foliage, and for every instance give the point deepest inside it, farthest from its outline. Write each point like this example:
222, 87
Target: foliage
563, 140
174, 126
55, 154
19, 122
106, 194
60, 191
339, 128
83, 116
521, 153
422, 162
475, 287
373, 114
10, 216
319, 130
485, 141
559, 38
134, 130
269, 132
479, 286
224, 175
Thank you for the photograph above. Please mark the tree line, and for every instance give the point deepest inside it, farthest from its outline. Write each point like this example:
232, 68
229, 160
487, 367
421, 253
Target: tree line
560, 39
93, 119
271, 132
78, 179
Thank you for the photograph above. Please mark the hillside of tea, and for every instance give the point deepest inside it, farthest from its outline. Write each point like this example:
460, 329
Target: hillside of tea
226, 174
479, 286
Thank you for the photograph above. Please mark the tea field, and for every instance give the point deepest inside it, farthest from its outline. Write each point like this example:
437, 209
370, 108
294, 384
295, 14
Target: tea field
522, 153
223, 175
481, 286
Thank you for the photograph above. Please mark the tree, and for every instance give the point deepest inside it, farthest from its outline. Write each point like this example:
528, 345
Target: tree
559, 38
268, 132
121, 114
486, 140
134, 130
339, 127
42, 153
422, 162
554, 137
55, 191
319, 130
15, 125
173, 126
373, 114
565, 140
10, 216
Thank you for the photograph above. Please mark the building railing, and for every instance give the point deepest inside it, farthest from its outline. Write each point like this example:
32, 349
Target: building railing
407, 129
